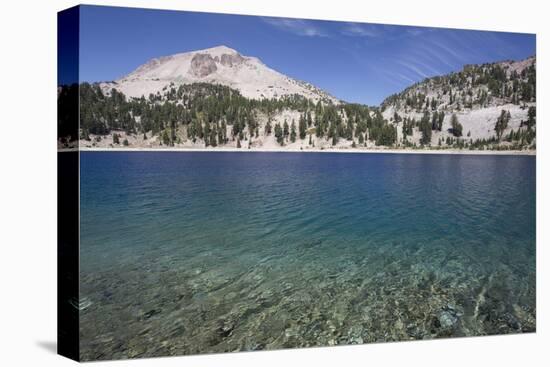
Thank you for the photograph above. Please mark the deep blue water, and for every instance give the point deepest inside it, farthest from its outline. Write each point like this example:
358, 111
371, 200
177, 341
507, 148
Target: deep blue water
186, 252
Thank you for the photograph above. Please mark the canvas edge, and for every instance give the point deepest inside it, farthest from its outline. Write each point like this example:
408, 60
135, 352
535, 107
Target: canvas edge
68, 231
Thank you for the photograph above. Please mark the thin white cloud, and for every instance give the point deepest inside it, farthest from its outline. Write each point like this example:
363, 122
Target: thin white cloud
415, 69
426, 66
382, 32
361, 30
398, 80
406, 78
414, 31
464, 41
418, 31
298, 27
449, 50
431, 53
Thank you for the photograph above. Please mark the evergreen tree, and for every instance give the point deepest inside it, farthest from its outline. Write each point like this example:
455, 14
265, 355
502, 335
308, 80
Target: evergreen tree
435, 121
531, 116
456, 126
85, 135
293, 132
385, 135
268, 127
213, 137
286, 131
279, 135
223, 137
165, 137
426, 129
309, 120
502, 123
302, 127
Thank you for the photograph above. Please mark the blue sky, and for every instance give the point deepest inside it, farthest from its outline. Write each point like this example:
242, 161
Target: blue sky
356, 62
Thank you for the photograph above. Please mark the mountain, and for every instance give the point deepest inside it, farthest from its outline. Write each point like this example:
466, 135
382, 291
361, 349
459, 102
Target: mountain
218, 98
474, 86
217, 65
477, 96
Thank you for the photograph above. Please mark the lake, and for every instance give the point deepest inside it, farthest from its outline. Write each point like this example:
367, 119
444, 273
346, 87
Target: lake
200, 252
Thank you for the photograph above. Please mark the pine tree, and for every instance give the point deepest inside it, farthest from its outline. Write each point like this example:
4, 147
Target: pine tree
165, 137
279, 134
268, 127
213, 137
426, 129
223, 132
285, 129
502, 123
435, 119
85, 135
302, 127
456, 126
531, 116
309, 120
293, 132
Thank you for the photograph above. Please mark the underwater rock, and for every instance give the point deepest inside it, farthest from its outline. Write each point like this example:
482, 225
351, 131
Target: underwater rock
177, 329
226, 328
448, 318
313, 243
254, 346
151, 313
355, 335
292, 331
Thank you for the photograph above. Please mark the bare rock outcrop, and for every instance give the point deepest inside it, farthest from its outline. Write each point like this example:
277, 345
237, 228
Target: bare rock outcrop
202, 65
231, 59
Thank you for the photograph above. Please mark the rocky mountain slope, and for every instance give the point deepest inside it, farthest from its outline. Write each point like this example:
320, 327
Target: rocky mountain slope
476, 96
217, 65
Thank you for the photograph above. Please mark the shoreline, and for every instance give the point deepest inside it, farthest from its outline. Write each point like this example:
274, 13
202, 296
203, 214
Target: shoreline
361, 151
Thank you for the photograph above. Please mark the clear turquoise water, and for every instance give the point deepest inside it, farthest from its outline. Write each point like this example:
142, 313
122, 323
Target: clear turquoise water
185, 253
